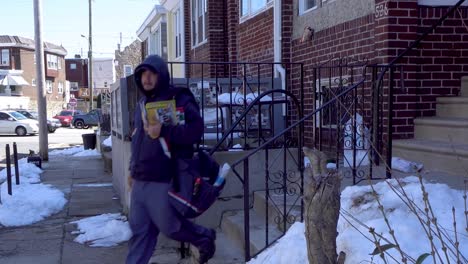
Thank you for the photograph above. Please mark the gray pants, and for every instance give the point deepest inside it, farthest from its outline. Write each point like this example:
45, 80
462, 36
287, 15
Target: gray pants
151, 213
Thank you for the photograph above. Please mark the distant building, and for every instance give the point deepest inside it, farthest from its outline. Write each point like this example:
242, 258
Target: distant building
127, 60
176, 51
18, 73
153, 33
77, 75
103, 75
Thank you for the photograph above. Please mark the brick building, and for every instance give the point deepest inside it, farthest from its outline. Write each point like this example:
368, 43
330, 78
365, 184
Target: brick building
371, 30
77, 75
315, 32
18, 59
127, 60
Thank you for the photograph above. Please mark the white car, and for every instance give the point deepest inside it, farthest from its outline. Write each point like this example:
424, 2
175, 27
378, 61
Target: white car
12, 122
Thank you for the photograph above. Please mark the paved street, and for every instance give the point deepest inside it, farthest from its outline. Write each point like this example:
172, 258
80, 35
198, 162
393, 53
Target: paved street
62, 138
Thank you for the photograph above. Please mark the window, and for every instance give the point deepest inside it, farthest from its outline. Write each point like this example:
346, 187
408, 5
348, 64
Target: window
5, 57
199, 23
34, 57
305, 5
52, 62
4, 116
128, 70
49, 86
155, 42
74, 86
60, 87
73, 66
33, 82
250, 7
178, 33
59, 63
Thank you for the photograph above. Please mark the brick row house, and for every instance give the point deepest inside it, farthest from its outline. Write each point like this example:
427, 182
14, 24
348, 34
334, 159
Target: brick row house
429, 120
77, 75
18, 65
316, 31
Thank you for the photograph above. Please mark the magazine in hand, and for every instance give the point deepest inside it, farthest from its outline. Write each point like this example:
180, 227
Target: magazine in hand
164, 111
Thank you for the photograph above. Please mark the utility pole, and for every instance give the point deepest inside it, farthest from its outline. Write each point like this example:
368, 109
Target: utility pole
40, 77
90, 57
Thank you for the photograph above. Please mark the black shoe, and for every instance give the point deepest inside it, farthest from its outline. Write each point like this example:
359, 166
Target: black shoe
209, 250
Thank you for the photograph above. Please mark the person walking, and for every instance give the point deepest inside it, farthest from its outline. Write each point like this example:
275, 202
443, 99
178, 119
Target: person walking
152, 167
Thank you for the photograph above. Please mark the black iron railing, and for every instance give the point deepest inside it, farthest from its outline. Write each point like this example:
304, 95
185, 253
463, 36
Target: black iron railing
224, 90
289, 184
336, 111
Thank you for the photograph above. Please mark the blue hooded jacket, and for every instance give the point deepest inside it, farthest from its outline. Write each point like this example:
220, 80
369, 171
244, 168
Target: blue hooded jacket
148, 161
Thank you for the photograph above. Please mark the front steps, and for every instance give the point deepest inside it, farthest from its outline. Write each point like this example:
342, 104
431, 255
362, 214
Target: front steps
440, 142
232, 223
435, 155
230, 241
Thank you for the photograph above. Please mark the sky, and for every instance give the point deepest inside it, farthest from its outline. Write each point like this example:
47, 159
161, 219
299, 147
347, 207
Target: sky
359, 211
64, 21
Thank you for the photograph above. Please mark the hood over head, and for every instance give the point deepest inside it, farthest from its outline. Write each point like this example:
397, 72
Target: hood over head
155, 64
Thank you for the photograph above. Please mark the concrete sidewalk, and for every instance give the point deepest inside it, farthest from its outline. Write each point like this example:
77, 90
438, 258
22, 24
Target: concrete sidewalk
50, 241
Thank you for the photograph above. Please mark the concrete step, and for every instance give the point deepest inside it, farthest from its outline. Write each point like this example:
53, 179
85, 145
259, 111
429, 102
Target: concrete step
276, 209
226, 251
464, 86
232, 225
442, 129
435, 155
452, 107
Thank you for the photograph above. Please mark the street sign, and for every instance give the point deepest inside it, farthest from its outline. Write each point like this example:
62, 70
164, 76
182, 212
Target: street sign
72, 102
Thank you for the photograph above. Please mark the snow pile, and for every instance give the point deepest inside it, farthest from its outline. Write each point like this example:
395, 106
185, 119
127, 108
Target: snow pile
290, 249
87, 153
108, 142
29, 173
239, 98
78, 151
105, 230
405, 165
67, 151
358, 202
30, 202
237, 147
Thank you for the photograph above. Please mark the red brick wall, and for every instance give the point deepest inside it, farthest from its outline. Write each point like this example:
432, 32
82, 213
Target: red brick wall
80, 74
354, 39
214, 50
232, 27
255, 38
29, 72
188, 35
432, 70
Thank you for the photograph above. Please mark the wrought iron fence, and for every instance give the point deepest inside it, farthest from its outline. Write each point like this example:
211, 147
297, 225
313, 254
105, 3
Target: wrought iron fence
224, 91
348, 108
351, 128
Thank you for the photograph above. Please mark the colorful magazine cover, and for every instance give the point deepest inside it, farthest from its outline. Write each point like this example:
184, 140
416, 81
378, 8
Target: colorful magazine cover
164, 111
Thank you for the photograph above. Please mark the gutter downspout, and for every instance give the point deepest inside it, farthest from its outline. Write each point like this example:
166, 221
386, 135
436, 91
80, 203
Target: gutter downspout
277, 46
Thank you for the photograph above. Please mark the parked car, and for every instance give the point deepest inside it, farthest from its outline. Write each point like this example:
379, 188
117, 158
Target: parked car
52, 124
87, 120
66, 116
12, 122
